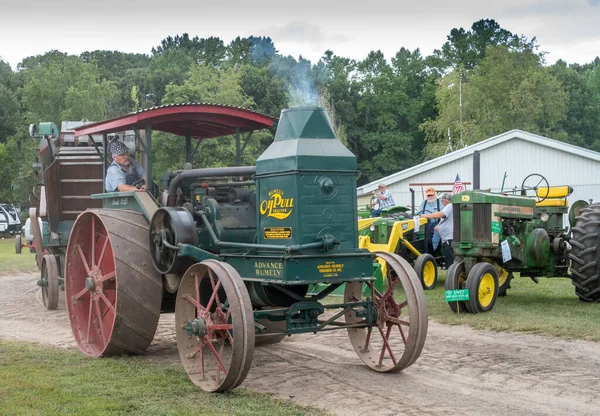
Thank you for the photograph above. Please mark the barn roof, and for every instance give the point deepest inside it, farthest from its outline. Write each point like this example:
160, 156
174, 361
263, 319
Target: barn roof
202, 120
469, 150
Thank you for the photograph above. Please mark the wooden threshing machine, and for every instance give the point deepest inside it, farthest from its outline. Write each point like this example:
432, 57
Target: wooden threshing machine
237, 249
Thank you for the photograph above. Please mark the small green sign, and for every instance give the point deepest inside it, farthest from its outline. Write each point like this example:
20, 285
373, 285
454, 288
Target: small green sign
457, 295
496, 228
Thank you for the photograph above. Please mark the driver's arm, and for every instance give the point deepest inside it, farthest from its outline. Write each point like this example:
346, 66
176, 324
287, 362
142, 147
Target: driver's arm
128, 188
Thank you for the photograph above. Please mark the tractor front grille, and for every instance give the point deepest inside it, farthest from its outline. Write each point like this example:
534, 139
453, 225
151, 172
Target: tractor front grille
482, 222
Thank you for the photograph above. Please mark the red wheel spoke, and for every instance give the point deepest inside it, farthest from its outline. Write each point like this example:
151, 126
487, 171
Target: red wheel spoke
213, 296
90, 319
103, 251
100, 321
217, 356
107, 302
386, 345
108, 276
93, 241
199, 307
83, 260
218, 368
403, 304
402, 334
374, 291
397, 321
197, 350
222, 327
215, 288
80, 294
197, 302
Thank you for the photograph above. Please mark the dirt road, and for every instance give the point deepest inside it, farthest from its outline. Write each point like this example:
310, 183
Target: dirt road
461, 371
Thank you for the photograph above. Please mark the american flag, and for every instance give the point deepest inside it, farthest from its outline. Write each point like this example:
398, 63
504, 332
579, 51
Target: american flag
458, 185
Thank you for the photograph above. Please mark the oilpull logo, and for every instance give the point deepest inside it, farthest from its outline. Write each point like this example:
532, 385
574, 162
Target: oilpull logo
277, 206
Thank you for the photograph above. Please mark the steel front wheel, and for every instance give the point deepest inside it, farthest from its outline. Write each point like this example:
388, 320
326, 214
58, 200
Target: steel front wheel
427, 271
456, 278
50, 282
482, 284
214, 326
398, 334
113, 292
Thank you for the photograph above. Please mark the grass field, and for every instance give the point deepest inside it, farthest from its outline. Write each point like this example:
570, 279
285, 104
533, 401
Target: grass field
11, 262
44, 380
547, 308
40, 380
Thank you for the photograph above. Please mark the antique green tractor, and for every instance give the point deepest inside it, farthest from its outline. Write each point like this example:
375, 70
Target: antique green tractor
236, 249
497, 235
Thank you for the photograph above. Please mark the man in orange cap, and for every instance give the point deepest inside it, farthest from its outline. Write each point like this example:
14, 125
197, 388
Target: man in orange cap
431, 205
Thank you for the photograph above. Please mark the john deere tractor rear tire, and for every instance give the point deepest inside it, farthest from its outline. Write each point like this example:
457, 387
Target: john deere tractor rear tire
456, 278
585, 254
427, 270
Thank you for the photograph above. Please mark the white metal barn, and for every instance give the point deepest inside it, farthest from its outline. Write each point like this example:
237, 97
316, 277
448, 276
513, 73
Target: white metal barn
516, 153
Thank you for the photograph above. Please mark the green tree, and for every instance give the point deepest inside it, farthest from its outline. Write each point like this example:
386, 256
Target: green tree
581, 126
508, 90
53, 91
206, 84
10, 113
467, 48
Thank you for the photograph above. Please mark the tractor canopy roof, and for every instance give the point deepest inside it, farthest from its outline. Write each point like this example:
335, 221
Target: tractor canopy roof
198, 120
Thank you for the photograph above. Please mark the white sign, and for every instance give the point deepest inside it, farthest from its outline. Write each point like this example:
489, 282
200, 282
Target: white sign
505, 251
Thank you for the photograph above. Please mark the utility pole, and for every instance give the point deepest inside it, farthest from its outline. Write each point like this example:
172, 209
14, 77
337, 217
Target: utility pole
460, 143
449, 148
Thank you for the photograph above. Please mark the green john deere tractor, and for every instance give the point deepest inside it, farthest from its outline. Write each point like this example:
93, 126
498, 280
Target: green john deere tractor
405, 236
497, 235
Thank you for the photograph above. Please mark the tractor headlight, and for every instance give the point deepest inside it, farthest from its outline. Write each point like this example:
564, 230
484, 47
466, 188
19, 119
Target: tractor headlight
372, 228
544, 217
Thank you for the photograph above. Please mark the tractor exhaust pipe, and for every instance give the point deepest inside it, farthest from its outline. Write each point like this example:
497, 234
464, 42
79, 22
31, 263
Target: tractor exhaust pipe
476, 170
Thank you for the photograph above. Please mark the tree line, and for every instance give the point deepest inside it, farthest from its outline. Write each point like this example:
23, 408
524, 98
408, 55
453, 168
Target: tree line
391, 113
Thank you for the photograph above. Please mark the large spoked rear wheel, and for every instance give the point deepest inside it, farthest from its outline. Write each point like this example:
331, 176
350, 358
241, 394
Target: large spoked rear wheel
397, 337
50, 282
585, 254
427, 271
482, 284
214, 326
113, 292
456, 279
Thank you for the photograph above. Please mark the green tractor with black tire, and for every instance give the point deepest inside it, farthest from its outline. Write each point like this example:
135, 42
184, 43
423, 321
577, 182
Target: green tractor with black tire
498, 235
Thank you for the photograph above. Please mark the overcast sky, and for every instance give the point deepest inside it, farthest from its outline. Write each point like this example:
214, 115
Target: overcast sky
566, 29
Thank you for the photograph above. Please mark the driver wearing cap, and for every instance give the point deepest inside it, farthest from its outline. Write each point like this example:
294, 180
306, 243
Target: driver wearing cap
123, 172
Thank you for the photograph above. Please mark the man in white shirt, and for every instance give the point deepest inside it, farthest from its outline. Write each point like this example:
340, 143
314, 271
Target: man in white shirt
445, 228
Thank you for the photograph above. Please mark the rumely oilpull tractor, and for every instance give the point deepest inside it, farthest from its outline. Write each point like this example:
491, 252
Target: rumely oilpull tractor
496, 235
237, 248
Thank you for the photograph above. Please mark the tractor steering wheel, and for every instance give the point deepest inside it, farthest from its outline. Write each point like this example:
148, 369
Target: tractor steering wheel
139, 183
424, 211
532, 183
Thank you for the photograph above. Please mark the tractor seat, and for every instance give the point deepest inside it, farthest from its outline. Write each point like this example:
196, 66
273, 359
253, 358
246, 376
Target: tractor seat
556, 196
